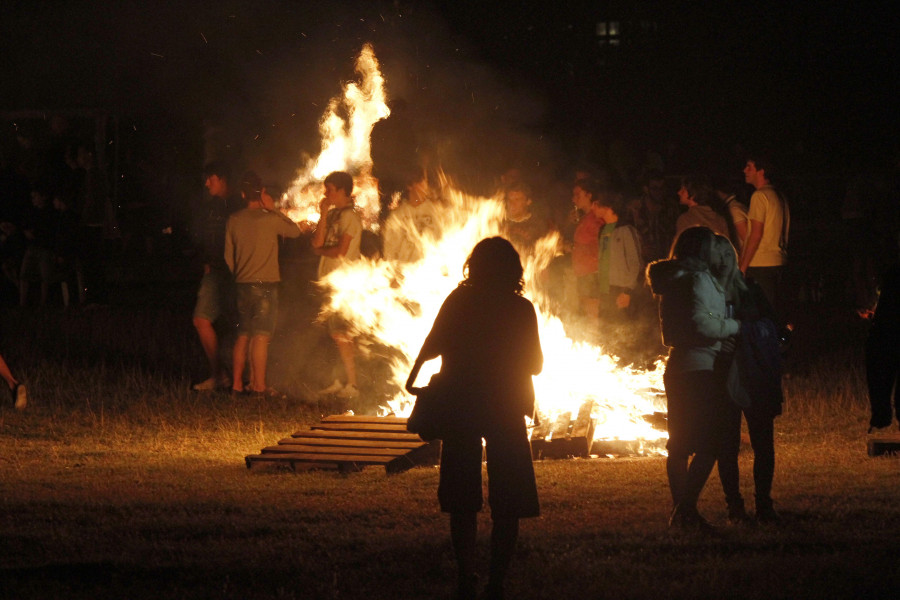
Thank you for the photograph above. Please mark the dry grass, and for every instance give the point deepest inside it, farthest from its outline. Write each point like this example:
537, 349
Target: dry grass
117, 482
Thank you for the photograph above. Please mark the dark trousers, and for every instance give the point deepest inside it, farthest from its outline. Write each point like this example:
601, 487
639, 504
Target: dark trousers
882, 370
769, 279
761, 426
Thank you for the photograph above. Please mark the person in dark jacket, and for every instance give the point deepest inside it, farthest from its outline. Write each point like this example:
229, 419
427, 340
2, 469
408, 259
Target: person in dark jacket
692, 313
486, 334
749, 368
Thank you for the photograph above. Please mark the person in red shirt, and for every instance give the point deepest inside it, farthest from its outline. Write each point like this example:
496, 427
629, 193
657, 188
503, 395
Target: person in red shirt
585, 248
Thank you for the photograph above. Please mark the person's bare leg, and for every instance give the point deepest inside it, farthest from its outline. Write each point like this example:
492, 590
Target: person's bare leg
238, 360
210, 342
259, 355
347, 350
7, 375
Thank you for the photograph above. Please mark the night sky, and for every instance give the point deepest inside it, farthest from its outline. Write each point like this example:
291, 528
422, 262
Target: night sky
499, 82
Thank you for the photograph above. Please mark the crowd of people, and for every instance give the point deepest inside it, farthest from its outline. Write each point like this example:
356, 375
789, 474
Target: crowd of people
709, 275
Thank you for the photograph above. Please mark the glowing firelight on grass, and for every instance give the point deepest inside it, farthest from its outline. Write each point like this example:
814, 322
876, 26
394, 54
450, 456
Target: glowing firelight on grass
393, 305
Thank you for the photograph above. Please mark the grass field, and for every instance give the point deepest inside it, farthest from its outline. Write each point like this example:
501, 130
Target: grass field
117, 482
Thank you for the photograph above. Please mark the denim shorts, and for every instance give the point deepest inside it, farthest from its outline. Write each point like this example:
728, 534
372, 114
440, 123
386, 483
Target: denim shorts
213, 295
257, 305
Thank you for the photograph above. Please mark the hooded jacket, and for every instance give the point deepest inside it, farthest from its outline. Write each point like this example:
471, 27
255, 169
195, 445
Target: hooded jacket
692, 314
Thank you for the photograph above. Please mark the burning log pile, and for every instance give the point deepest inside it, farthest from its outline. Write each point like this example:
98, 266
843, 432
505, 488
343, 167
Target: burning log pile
392, 304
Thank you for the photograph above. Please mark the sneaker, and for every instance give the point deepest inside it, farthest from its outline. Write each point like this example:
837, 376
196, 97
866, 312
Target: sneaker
20, 396
334, 388
207, 385
349, 392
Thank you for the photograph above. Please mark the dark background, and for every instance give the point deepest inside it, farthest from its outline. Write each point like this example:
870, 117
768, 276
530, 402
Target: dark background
495, 82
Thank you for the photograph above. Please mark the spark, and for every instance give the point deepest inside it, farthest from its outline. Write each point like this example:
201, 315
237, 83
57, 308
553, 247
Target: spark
157, 55
204, 38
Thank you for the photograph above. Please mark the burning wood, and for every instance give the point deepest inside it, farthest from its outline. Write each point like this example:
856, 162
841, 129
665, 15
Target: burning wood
393, 304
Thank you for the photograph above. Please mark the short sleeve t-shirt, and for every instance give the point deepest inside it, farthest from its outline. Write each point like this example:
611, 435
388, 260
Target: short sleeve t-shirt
767, 207
341, 222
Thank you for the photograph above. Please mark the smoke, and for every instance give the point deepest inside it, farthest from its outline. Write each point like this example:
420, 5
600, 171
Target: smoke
473, 118
253, 78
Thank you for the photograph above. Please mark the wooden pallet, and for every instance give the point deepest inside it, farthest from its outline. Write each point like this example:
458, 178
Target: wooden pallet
349, 443
566, 437
879, 447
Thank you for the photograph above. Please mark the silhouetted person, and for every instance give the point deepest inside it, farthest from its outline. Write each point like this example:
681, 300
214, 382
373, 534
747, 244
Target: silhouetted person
37, 263
692, 314
215, 288
486, 334
97, 224
883, 357
394, 151
65, 248
654, 213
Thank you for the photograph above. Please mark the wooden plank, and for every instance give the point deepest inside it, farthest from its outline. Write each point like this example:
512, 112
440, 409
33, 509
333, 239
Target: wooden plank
360, 435
364, 419
560, 427
349, 443
373, 427
336, 441
338, 458
583, 425
559, 448
541, 431
303, 449
254, 461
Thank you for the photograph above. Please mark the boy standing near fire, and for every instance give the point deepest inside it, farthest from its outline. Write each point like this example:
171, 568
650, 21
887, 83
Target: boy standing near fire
336, 240
251, 251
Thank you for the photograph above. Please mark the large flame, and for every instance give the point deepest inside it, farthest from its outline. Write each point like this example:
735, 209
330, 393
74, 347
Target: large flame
345, 129
394, 304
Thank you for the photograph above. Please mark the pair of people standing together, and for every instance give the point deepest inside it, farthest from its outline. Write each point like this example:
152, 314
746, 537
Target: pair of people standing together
707, 309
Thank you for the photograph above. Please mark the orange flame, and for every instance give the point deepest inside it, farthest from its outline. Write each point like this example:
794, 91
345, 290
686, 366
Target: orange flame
394, 303
345, 145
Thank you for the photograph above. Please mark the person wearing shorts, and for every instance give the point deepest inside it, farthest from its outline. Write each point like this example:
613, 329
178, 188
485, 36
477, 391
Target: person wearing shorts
251, 252
486, 334
336, 240
215, 291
